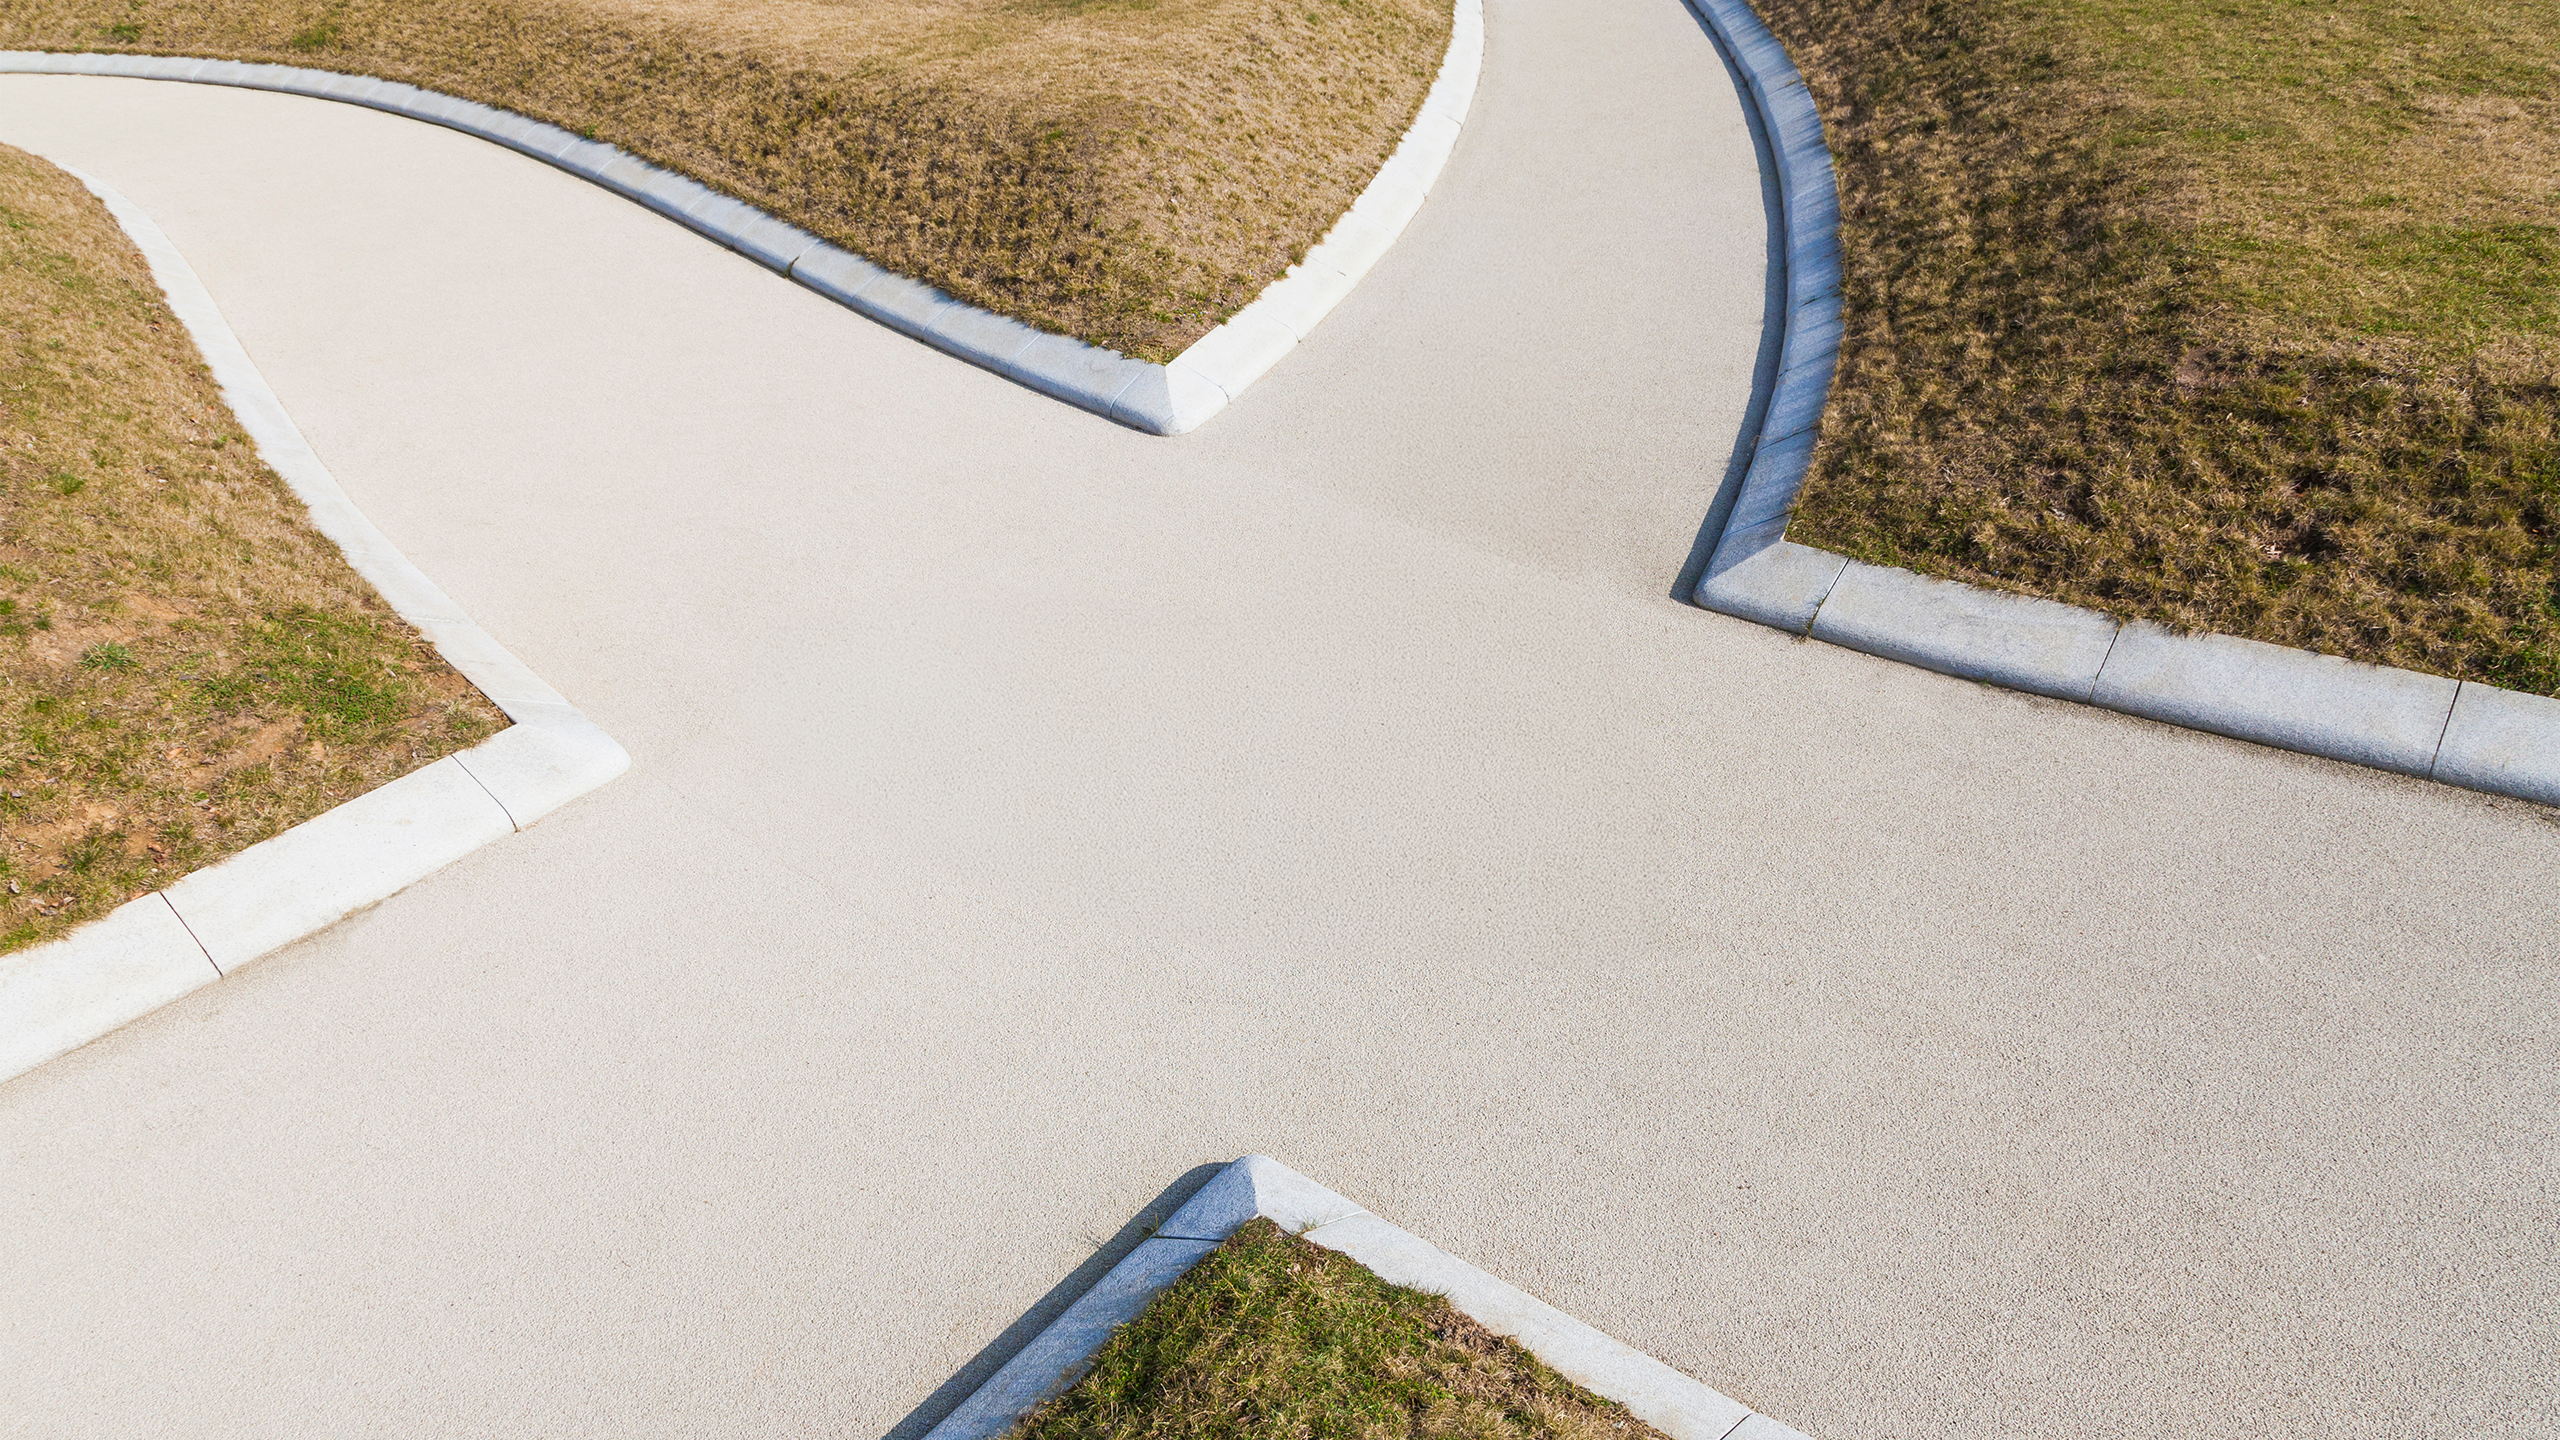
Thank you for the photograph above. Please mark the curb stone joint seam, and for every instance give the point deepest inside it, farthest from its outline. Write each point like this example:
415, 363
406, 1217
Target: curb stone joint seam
2503, 742
149, 951
1258, 1185
1168, 399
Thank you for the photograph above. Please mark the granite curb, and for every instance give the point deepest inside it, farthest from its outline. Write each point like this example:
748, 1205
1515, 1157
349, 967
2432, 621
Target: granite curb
2503, 742
1258, 1185
153, 949
1167, 399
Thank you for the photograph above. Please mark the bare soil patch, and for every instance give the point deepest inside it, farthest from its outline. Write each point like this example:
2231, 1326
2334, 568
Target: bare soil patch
1129, 172
186, 666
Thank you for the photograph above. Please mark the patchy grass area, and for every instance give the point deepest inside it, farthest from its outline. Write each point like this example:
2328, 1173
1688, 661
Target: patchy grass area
1275, 1338
186, 667
1130, 172
2241, 315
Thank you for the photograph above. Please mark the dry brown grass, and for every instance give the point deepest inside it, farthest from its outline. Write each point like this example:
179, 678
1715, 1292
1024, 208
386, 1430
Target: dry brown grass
186, 667
2240, 315
1272, 1337
1129, 172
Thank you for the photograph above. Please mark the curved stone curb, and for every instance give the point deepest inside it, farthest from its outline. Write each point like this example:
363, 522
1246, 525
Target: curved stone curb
2477, 736
1159, 399
1260, 1185
1219, 365
150, 951
1809, 249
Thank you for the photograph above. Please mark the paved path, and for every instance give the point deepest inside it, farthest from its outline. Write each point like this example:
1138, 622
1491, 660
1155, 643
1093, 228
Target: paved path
1026, 811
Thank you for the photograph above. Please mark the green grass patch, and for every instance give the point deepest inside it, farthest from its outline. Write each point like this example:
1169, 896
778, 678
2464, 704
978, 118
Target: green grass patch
186, 667
1272, 1337
328, 670
2238, 315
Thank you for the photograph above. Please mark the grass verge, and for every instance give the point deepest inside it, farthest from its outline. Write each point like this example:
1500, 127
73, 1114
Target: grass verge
1129, 172
186, 666
2239, 315
1272, 1337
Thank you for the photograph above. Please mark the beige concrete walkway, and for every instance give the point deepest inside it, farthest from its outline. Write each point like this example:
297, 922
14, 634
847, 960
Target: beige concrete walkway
1026, 811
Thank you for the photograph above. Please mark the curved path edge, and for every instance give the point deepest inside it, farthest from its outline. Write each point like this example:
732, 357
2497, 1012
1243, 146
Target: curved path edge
1166, 399
1258, 1185
58, 996
2504, 742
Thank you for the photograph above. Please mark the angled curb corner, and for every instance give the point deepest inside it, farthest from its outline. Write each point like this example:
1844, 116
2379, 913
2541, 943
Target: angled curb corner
149, 951
1258, 1185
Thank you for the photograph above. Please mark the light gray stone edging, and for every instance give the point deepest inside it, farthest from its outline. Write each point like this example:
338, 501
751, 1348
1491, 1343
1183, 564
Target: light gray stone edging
2461, 732
1808, 248
148, 952
1260, 1185
1164, 399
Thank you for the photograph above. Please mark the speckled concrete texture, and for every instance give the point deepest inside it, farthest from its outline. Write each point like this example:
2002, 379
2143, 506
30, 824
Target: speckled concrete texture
1025, 812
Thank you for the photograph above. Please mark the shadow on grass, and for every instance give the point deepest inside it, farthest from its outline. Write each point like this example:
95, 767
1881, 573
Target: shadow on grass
1066, 1292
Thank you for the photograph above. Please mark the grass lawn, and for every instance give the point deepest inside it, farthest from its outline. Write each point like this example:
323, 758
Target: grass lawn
1275, 1338
2241, 315
186, 666
1129, 172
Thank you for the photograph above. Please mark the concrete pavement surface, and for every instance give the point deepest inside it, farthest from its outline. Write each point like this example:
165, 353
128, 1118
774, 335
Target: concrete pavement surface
1026, 812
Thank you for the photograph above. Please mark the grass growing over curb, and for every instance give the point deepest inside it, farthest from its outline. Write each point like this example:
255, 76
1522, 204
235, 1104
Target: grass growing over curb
1129, 172
186, 666
1272, 1337
2240, 315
